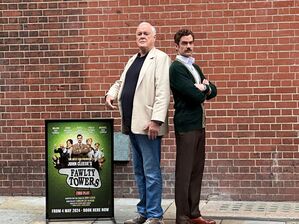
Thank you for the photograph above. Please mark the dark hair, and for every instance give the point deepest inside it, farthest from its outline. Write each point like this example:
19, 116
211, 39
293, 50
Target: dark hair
70, 140
181, 33
79, 135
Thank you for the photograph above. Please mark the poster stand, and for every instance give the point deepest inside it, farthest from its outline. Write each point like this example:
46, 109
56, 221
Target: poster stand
79, 170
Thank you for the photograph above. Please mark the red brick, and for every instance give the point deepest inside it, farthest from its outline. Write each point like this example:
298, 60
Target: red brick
69, 53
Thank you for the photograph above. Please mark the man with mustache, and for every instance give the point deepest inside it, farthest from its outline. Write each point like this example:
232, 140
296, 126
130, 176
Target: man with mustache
143, 96
190, 90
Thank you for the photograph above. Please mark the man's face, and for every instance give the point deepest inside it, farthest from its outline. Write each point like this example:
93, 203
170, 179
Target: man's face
79, 138
185, 47
145, 38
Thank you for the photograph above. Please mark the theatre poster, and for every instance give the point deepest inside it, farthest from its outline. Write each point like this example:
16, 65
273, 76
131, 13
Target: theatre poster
79, 169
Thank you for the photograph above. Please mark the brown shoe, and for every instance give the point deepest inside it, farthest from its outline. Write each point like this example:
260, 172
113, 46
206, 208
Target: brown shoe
137, 220
201, 220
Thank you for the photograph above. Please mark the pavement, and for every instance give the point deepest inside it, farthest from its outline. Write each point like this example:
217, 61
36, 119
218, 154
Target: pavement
31, 210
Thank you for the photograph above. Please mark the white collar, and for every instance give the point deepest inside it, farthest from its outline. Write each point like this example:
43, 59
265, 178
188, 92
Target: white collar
186, 60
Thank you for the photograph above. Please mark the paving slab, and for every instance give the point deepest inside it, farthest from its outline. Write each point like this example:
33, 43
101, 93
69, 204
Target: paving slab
277, 211
22, 210
249, 222
31, 210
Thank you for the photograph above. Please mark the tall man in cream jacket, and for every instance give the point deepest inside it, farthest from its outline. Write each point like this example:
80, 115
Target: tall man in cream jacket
143, 95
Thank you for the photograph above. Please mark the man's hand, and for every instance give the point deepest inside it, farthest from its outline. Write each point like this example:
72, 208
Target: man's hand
205, 81
204, 86
109, 102
152, 130
201, 87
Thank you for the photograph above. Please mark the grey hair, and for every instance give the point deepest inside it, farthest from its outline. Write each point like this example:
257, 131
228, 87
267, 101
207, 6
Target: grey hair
152, 27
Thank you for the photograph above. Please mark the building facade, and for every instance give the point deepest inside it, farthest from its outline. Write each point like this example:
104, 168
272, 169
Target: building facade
58, 58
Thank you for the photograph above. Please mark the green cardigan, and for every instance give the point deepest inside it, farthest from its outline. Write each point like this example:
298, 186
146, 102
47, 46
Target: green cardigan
188, 100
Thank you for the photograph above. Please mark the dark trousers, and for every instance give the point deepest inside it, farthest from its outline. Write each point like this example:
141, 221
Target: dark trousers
190, 161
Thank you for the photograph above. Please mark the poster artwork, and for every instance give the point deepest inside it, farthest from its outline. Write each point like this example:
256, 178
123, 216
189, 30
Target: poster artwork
79, 168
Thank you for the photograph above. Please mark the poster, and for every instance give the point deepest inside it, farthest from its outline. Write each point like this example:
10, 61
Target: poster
79, 169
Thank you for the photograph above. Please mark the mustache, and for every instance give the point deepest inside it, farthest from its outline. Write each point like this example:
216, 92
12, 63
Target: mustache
188, 49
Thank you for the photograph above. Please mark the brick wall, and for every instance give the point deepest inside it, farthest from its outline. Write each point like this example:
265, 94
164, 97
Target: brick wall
57, 59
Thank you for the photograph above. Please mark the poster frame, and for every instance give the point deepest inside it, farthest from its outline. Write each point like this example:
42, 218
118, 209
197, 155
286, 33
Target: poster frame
94, 215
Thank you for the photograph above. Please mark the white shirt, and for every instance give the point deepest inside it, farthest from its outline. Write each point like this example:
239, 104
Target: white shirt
96, 154
188, 62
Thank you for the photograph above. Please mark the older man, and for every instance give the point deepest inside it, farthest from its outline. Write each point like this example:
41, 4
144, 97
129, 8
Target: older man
143, 96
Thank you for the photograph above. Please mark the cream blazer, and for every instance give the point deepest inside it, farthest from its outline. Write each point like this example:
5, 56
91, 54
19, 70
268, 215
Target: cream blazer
152, 94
